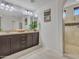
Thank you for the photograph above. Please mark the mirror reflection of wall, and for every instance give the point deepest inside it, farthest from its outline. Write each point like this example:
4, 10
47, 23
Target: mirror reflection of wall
9, 23
15, 17
27, 21
13, 23
20, 25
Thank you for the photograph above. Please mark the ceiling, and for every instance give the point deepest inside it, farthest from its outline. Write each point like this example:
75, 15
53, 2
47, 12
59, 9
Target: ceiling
30, 4
27, 4
18, 3
23, 3
34, 4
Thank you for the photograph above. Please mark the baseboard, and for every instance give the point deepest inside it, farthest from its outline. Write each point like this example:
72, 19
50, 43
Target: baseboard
56, 52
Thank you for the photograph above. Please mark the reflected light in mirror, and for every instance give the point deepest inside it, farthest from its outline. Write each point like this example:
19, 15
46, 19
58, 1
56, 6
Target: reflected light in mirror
7, 7
30, 13
12, 8
25, 12
36, 15
2, 6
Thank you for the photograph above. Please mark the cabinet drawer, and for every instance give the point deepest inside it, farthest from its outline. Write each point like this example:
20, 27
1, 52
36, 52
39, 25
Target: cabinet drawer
23, 42
23, 46
4, 45
35, 38
23, 35
23, 39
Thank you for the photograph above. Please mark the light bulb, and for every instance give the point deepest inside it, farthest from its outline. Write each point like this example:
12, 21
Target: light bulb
11, 8
30, 13
7, 7
2, 4
26, 12
36, 15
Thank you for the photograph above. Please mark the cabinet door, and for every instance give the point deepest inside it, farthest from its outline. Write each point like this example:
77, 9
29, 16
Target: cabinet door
15, 43
4, 45
35, 38
23, 41
29, 40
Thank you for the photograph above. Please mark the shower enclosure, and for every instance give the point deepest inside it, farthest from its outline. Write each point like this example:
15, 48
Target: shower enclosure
71, 37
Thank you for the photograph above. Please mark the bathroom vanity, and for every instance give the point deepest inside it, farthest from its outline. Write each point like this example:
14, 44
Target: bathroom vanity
14, 42
18, 29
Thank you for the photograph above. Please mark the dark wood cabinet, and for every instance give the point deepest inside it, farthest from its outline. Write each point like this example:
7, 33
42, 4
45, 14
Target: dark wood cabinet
14, 43
10, 44
29, 40
4, 45
23, 41
35, 38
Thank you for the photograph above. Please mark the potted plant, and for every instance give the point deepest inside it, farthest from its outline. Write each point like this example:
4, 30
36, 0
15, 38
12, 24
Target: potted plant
33, 25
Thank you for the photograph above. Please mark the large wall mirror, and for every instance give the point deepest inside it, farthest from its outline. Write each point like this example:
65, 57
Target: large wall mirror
13, 17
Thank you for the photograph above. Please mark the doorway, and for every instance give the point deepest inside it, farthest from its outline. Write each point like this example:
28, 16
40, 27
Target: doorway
71, 30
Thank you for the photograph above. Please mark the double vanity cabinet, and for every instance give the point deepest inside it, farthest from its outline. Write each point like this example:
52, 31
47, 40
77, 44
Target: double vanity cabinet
10, 44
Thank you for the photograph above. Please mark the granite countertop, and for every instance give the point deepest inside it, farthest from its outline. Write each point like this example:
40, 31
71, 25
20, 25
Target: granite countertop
11, 33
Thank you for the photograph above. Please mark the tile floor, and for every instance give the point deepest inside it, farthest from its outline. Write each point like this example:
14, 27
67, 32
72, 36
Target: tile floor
42, 54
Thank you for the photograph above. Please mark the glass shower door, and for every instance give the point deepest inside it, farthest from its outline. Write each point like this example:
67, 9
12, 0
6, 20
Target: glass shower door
72, 39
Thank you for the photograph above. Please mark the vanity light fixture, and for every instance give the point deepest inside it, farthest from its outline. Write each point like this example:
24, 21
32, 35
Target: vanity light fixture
10, 7
2, 6
6, 7
25, 12
30, 13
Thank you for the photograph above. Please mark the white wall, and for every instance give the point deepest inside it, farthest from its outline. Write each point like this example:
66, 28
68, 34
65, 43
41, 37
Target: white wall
51, 32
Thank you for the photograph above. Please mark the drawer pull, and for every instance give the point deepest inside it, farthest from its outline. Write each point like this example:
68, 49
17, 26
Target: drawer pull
23, 38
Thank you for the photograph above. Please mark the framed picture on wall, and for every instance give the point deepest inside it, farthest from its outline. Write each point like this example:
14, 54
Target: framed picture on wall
47, 15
